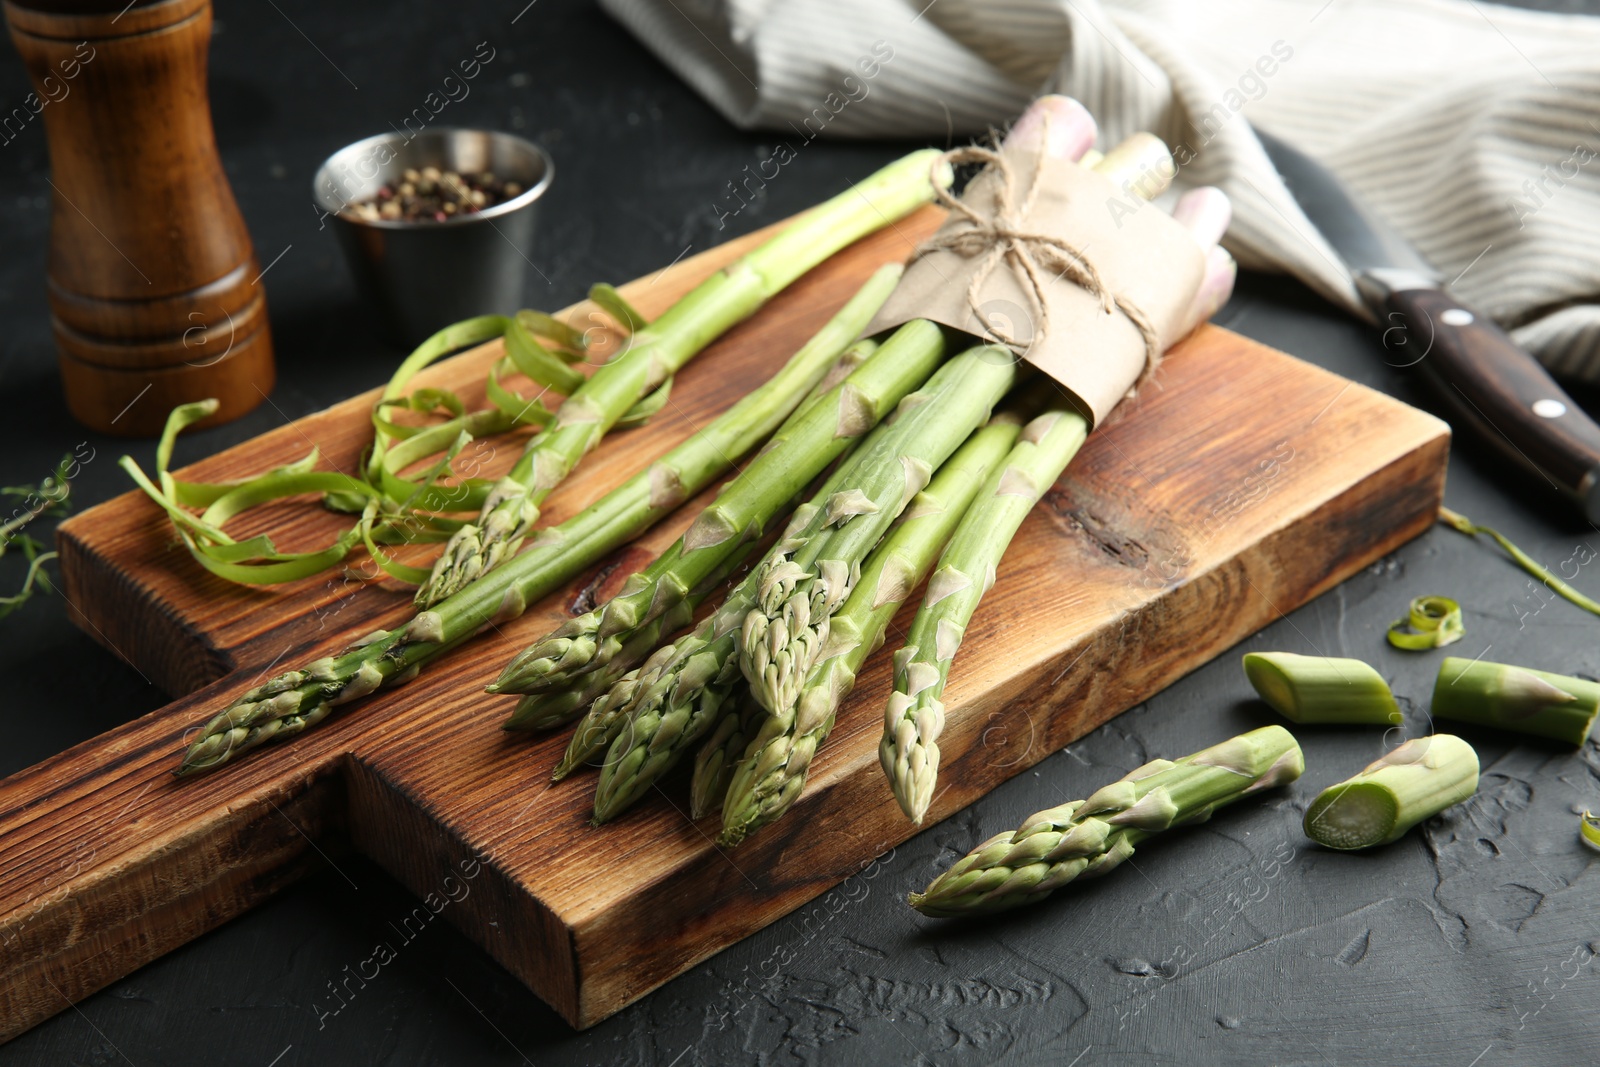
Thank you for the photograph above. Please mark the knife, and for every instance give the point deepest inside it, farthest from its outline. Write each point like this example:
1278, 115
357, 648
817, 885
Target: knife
1495, 389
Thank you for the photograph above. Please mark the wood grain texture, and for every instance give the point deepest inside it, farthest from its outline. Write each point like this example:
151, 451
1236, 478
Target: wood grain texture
1242, 484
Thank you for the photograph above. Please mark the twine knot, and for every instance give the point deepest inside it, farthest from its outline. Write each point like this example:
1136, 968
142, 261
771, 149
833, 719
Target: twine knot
1000, 237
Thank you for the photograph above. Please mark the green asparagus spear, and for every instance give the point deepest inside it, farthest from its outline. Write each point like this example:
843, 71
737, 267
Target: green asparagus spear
915, 714
714, 764
657, 352
576, 646
1516, 698
784, 744
675, 711
747, 503
1087, 838
550, 708
298, 699
799, 590
1414, 781
1321, 689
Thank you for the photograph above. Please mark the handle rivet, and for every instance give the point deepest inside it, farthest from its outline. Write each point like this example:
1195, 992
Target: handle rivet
1549, 408
1456, 317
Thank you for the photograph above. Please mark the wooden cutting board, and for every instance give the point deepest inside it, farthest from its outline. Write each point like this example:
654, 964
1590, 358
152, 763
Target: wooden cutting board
1239, 486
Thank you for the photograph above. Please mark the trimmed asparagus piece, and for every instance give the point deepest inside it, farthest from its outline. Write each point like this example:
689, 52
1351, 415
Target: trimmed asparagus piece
801, 587
915, 715
1087, 838
673, 710
1420, 778
772, 770
297, 699
1516, 698
1321, 689
657, 352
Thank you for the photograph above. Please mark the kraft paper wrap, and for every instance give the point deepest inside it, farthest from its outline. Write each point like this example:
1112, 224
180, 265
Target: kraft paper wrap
1140, 254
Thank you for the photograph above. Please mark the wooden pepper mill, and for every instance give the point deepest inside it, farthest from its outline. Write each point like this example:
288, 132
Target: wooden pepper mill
154, 287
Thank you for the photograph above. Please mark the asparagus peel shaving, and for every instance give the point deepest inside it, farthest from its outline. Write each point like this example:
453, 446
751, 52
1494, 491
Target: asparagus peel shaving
255, 560
394, 507
1089, 838
1462, 524
915, 715
1589, 829
785, 744
1518, 699
1417, 780
1430, 622
289, 703
1321, 689
658, 351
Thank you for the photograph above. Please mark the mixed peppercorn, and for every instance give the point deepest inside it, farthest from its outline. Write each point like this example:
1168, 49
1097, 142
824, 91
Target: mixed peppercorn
433, 195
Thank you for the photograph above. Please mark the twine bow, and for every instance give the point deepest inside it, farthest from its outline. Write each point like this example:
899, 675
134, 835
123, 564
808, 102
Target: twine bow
1000, 237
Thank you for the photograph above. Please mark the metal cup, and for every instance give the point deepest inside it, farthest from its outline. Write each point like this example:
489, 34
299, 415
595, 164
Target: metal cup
421, 276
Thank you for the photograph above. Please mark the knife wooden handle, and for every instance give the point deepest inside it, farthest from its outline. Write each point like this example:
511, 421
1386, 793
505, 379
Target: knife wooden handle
1500, 390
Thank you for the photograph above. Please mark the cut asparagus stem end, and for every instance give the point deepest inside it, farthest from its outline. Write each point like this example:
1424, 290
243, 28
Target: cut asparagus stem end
1519, 699
1321, 689
1419, 779
1353, 815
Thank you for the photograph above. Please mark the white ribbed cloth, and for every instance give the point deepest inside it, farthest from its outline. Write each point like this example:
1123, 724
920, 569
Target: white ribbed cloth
1474, 128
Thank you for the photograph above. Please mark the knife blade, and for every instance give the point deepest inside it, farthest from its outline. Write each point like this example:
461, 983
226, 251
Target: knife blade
1494, 388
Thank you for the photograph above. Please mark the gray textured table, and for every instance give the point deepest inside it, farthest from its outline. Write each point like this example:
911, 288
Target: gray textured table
1468, 944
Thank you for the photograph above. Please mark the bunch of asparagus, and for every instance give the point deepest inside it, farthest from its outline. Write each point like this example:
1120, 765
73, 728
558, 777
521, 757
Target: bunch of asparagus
657, 352
755, 688
297, 699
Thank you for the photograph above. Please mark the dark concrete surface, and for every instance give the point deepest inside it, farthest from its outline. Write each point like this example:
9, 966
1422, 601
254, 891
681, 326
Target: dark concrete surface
1470, 943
